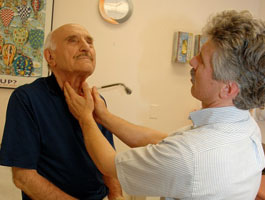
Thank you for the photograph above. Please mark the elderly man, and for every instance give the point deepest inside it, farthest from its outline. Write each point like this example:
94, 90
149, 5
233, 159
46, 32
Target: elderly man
42, 141
221, 156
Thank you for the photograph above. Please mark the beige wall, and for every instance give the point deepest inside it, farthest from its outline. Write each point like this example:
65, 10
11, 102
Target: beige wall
138, 53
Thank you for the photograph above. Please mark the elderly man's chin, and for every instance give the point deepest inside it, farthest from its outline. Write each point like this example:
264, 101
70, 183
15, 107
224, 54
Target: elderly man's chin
85, 64
86, 69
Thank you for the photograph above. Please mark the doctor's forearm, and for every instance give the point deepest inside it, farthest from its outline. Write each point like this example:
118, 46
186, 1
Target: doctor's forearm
99, 149
131, 134
114, 186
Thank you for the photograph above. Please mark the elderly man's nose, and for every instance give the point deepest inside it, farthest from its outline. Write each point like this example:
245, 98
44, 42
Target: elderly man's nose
85, 45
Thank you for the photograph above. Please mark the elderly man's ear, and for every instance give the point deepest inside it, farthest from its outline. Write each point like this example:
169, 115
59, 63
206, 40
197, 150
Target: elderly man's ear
49, 57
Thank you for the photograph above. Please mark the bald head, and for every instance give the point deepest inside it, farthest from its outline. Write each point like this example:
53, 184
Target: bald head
51, 39
69, 51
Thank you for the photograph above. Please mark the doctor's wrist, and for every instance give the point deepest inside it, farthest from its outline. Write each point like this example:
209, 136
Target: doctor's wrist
119, 198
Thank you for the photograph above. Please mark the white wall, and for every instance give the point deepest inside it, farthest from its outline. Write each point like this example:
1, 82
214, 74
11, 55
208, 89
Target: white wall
261, 10
138, 53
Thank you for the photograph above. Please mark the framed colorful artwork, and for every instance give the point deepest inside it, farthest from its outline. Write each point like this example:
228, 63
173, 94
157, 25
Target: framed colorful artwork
182, 47
199, 41
24, 25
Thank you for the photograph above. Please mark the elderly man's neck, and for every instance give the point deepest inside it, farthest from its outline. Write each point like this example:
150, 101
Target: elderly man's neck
74, 79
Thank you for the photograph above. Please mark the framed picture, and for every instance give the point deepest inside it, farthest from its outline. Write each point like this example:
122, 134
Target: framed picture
199, 41
182, 47
24, 25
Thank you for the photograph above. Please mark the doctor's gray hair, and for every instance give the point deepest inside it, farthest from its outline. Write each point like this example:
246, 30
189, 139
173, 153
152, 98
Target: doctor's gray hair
240, 55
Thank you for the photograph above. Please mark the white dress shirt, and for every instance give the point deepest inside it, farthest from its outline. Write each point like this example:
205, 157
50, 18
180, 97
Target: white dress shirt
221, 157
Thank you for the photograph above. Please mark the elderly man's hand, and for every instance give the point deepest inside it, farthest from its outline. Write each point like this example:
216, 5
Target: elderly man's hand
80, 105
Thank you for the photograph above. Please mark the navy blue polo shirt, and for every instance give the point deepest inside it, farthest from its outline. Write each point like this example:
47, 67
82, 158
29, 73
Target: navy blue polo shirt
40, 133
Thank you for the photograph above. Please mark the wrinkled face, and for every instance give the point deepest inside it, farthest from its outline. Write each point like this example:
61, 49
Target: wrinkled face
74, 51
204, 87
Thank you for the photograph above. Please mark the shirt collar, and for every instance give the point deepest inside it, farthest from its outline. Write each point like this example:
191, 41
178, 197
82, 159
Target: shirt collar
218, 115
54, 86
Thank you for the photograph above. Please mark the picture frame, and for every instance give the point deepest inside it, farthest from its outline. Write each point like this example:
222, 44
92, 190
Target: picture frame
24, 25
182, 47
198, 43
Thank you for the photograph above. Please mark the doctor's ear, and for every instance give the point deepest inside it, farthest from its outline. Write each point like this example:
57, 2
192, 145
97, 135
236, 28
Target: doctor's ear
49, 57
230, 89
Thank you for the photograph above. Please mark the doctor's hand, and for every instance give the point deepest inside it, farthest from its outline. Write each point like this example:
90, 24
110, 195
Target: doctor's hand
81, 106
100, 109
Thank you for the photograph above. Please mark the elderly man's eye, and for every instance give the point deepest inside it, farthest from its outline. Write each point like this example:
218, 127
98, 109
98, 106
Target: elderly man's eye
73, 40
90, 41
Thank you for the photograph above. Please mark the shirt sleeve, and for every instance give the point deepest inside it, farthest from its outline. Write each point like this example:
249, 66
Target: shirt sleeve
21, 139
164, 169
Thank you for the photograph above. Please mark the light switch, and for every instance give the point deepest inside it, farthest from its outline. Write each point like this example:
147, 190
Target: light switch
154, 111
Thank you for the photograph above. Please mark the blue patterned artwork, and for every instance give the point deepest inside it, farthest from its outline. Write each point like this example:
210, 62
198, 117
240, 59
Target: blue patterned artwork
23, 26
36, 38
23, 66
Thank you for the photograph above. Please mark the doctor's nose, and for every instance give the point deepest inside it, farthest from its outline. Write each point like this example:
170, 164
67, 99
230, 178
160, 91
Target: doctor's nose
193, 62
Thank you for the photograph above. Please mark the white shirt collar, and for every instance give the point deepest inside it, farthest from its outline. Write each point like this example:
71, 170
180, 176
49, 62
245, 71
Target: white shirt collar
218, 115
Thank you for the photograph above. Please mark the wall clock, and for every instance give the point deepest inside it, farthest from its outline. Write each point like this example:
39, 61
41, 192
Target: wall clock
115, 11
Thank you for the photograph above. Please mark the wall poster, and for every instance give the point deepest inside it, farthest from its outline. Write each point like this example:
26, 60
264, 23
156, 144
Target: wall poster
23, 27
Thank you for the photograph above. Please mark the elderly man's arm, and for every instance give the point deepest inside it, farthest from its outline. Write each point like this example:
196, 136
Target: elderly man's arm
36, 186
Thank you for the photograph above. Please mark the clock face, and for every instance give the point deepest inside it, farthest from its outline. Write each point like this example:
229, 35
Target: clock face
115, 11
